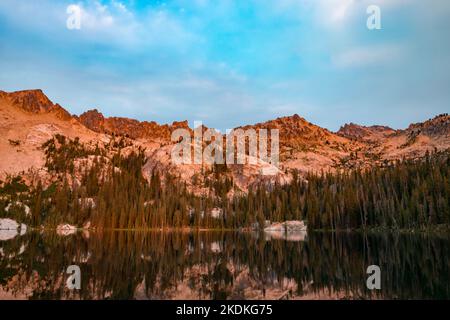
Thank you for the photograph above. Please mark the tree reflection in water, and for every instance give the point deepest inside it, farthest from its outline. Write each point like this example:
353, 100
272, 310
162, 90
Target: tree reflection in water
223, 265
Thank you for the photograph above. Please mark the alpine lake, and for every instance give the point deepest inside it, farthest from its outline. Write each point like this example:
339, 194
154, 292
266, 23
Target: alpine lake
223, 265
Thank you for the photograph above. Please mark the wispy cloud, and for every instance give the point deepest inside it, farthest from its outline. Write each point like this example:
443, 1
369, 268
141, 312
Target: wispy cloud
232, 62
104, 22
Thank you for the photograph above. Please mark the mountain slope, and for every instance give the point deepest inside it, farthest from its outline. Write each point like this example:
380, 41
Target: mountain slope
357, 132
95, 121
29, 118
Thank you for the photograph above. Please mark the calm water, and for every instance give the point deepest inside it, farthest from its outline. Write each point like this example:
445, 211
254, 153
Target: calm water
231, 265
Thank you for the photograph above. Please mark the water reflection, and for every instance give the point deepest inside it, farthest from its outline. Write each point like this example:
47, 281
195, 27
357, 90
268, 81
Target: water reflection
230, 265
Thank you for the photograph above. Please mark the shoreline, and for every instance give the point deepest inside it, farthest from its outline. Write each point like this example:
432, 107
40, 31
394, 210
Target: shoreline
436, 230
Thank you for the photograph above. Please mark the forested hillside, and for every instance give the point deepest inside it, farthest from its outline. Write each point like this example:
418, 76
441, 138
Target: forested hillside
111, 192
404, 195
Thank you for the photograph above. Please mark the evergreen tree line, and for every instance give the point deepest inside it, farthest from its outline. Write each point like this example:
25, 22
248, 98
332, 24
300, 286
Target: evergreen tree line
407, 194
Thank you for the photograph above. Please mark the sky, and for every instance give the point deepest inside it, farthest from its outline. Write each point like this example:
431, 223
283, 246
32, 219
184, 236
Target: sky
230, 63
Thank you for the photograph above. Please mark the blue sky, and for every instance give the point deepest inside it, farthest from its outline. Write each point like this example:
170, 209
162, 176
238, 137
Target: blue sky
229, 63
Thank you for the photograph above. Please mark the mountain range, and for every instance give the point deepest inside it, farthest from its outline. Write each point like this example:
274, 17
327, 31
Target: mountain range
29, 118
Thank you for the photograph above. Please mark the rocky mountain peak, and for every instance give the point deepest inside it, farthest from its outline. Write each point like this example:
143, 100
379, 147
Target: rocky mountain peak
30, 100
359, 132
34, 101
180, 124
93, 119
439, 125
302, 145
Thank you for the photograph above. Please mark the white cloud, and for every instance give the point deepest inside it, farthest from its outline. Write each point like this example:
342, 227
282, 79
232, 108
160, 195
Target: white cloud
335, 11
120, 6
102, 22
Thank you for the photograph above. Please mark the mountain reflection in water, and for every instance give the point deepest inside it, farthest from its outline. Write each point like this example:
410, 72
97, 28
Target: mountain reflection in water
223, 265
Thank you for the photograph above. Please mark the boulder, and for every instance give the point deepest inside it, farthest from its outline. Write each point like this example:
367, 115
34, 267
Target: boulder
8, 224
9, 229
287, 226
216, 213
